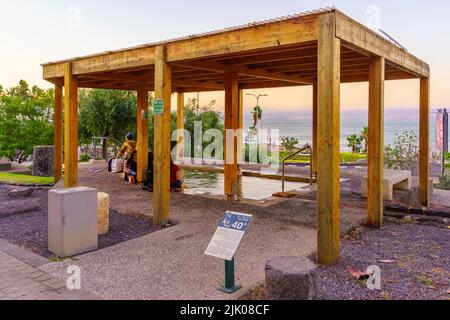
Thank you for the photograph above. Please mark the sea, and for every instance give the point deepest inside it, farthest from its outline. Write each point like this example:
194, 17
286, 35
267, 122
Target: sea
298, 124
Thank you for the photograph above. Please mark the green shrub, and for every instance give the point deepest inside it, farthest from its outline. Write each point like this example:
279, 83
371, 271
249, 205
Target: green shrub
85, 158
404, 153
447, 156
289, 144
444, 183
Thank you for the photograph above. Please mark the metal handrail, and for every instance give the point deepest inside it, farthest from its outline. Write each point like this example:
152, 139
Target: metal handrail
305, 147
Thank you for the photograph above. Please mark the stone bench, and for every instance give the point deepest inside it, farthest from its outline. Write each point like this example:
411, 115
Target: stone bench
393, 179
290, 278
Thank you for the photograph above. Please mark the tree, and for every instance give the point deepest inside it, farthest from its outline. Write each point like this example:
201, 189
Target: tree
193, 105
209, 118
365, 138
257, 115
26, 120
354, 142
289, 144
106, 113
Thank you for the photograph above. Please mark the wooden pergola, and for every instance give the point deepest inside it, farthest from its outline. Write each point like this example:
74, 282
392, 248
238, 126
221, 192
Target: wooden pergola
322, 49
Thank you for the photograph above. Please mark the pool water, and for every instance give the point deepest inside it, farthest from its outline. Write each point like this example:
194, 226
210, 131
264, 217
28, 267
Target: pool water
253, 188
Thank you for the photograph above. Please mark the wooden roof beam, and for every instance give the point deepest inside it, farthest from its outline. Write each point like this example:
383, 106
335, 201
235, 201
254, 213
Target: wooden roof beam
278, 34
267, 84
109, 61
244, 71
199, 84
274, 57
361, 37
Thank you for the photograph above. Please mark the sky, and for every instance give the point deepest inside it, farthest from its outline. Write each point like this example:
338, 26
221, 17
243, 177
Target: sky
34, 32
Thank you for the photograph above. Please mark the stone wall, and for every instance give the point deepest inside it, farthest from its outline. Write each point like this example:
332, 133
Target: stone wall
43, 162
5, 165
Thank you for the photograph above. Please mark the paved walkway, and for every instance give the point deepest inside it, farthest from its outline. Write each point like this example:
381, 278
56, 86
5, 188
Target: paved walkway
171, 264
20, 278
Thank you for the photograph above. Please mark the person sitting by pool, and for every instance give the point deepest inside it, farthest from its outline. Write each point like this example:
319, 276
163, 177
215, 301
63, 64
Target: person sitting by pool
175, 177
131, 169
127, 148
148, 185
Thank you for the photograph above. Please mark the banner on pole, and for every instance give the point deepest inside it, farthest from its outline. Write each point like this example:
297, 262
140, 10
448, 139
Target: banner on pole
442, 131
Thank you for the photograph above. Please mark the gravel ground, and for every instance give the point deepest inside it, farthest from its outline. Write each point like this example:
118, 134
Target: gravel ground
29, 229
287, 228
419, 266
414, 261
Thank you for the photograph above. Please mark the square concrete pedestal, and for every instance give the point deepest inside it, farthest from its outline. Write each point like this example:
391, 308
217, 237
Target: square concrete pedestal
72, 221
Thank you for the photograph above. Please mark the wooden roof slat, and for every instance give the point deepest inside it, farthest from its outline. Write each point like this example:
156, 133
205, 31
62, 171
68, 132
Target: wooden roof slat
242, 70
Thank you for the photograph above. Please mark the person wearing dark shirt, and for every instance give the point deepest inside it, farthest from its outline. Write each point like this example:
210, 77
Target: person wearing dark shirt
148, 185
175, 177
131, 170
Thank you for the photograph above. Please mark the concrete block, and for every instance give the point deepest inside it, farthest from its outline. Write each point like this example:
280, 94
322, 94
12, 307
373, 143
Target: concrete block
72, 221
290, 278
103, 213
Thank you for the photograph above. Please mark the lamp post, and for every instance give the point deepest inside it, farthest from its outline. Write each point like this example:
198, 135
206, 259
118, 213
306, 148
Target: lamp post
257, 97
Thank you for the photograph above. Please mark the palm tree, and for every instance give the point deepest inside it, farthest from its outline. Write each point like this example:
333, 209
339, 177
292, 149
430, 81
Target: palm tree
354, 142
257, 116
365, 138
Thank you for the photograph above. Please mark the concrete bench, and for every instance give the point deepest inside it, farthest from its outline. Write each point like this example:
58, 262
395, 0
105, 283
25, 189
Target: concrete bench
393, 179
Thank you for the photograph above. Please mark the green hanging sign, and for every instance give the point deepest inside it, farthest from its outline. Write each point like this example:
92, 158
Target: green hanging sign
158, 107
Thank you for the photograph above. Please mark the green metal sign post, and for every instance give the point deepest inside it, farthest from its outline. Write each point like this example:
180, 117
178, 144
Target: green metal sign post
225, 243
230, 286
158, 107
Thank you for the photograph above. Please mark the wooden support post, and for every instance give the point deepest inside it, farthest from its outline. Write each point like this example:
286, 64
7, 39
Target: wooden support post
58, 132
424, 148
162, 152
180, 127
314, 133
231, 139
241, 145
376, 143
142, 132
328, 164
70, 128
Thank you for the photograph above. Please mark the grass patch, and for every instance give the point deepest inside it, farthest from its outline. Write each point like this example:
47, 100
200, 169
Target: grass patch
346, 157
57, 259
426, 281
16, 178
85, 158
